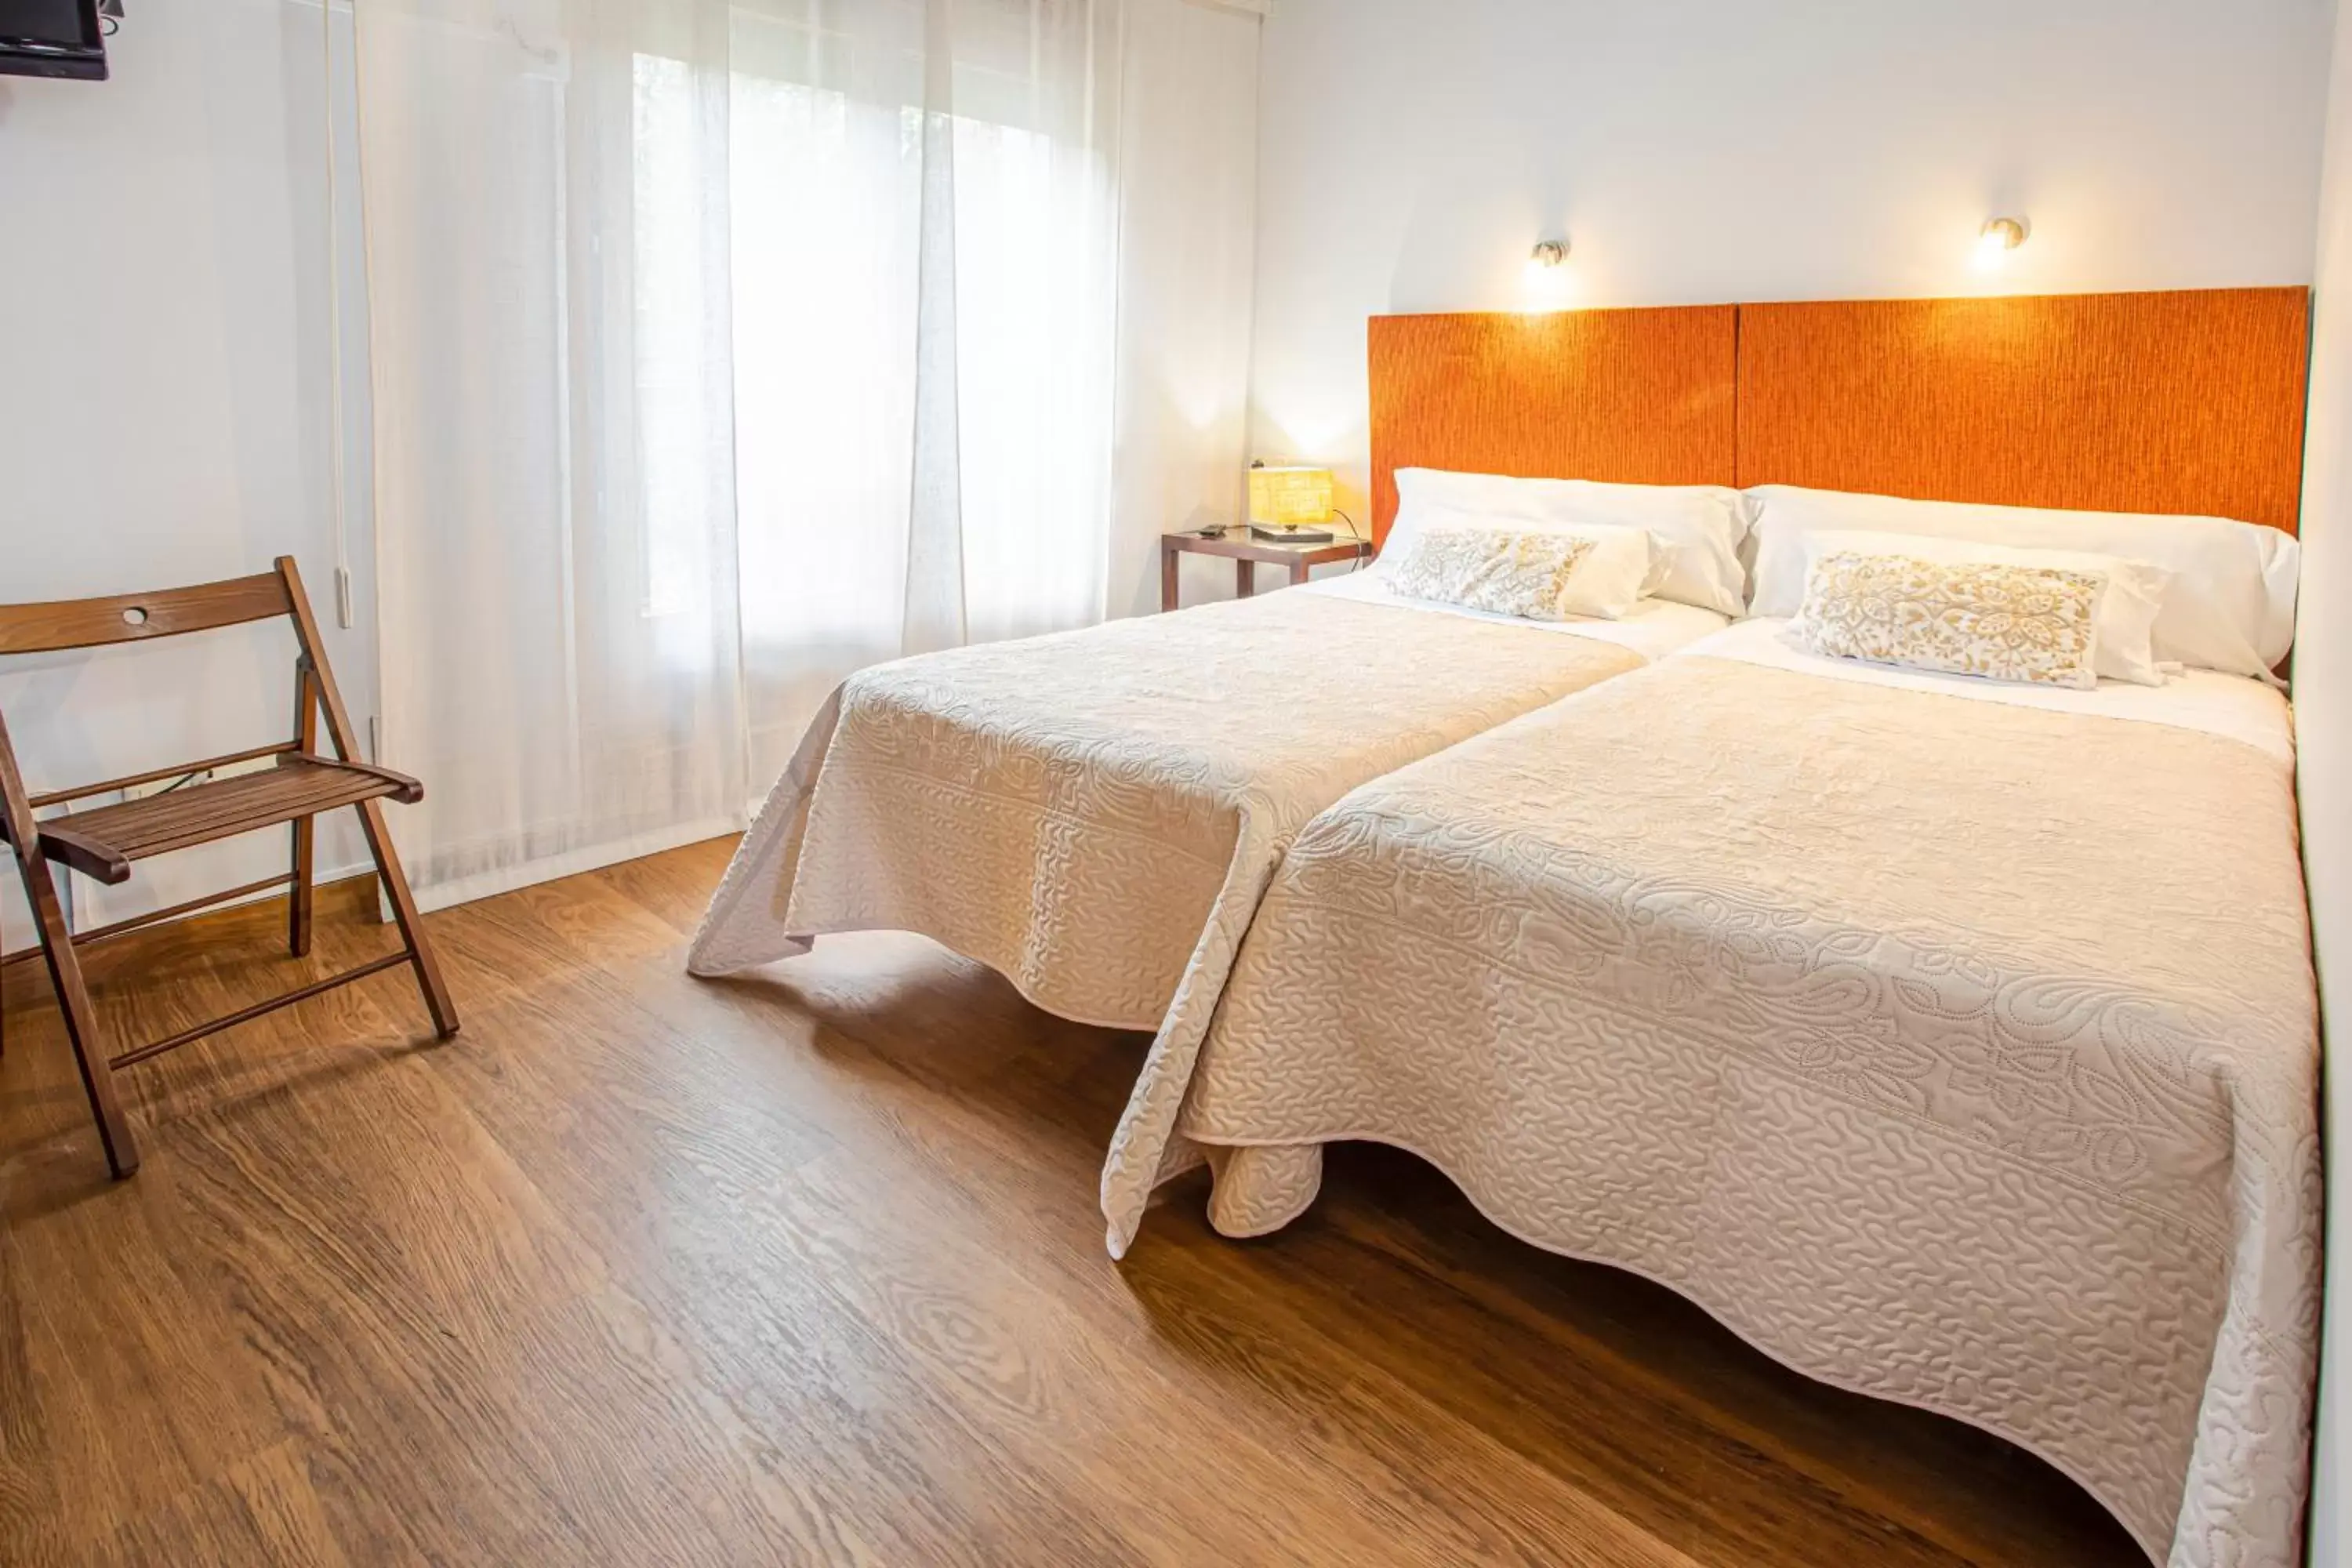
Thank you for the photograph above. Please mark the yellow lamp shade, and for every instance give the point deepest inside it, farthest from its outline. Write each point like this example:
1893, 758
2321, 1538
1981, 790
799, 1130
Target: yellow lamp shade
1287, 498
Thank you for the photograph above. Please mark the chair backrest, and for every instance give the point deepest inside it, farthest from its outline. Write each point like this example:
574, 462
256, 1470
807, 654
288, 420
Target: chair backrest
171, 612
130, 617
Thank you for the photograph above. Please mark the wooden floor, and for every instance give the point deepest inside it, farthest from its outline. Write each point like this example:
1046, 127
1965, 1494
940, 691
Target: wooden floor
807, 1268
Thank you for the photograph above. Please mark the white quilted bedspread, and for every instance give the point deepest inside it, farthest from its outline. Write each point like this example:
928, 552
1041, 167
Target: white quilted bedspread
1094, 814
1958, 1053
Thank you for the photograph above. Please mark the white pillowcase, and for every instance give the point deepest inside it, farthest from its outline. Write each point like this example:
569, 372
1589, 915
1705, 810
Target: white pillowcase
2229, 604
1697, 528
1606, 584
2123, 617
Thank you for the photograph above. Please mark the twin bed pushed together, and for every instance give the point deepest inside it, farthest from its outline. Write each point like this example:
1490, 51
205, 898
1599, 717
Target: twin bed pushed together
1093, 814
1915, 973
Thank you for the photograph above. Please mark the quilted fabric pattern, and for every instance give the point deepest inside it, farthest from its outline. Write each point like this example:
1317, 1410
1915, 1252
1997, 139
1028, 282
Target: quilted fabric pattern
1956, 1052
1094, 814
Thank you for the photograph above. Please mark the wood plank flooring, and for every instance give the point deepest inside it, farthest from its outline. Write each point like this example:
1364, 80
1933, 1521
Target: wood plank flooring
806, 1268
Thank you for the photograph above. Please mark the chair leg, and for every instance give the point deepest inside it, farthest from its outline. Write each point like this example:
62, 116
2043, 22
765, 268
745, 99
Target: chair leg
81, 1019
297, 896
411, 924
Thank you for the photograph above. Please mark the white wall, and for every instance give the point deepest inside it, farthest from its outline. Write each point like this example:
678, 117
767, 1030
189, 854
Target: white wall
2323, 701
1189, 169
163, 398
1702, 151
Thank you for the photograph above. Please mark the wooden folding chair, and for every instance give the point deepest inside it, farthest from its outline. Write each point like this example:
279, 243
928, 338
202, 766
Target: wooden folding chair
103, 841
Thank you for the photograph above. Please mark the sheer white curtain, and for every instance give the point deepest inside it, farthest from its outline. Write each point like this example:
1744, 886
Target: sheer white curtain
718, 350
925, 209
545, 194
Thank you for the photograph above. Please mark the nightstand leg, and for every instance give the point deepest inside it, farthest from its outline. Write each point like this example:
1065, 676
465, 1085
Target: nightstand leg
1167, 576
1299, 571
1245, 579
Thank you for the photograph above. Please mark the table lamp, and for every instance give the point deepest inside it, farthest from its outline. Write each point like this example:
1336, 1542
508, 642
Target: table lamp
1283, 500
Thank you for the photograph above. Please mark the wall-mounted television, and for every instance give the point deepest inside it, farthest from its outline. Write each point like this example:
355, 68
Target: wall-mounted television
52, 38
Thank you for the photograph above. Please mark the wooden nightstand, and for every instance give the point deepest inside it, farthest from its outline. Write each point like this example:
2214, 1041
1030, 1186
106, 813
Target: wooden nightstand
1245, 552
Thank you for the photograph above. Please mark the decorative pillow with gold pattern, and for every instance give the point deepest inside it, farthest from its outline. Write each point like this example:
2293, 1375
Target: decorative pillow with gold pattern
1490, 569
2032, 623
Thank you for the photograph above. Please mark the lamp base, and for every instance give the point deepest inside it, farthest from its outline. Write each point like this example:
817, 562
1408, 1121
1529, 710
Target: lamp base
1294, 535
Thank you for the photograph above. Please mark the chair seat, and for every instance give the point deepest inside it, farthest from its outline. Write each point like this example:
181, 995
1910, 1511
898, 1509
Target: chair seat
102, 841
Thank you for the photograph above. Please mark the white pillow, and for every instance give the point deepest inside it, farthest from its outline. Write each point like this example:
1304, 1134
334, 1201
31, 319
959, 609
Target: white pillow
1698, 528
1484, 562
2123, 615
2229, 604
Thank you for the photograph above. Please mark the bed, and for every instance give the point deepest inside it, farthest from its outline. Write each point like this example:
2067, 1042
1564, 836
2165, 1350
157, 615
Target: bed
1092, 814
1952, 1041
1929, 1125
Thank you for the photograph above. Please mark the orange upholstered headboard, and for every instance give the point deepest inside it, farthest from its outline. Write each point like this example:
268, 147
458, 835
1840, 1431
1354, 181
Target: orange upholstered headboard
2176, 402
1633, 396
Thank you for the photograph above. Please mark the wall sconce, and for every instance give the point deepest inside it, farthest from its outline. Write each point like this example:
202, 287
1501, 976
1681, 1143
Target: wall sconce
2000, 237
1548, 281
